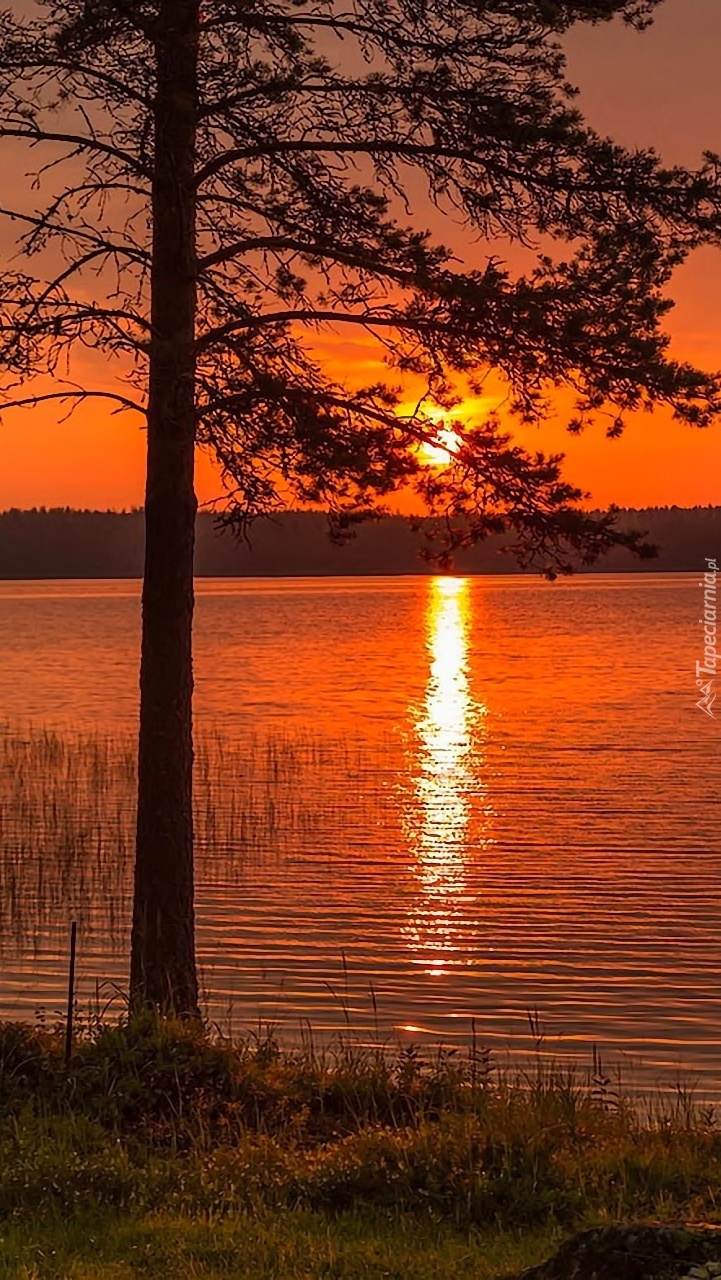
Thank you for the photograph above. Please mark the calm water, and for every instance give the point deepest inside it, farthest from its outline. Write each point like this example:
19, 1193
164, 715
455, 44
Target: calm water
422, 802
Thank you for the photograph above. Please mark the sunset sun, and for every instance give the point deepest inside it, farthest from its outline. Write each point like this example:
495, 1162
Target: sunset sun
442, 440
438, 451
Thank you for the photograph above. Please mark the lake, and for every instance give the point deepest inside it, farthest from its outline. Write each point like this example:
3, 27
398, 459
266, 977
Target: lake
426, 807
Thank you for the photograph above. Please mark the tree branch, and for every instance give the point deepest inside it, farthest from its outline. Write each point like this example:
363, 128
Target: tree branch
394, 422
76, 68
31, 401
59, 280
80, 142
288, 244
129, 250
319, 146
365, 319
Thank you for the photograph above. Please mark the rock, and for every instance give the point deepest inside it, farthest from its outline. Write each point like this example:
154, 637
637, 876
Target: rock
639, 1251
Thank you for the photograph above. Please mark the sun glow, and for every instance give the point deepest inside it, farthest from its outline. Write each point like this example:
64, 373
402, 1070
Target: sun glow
438, 452
448, 727
444, 441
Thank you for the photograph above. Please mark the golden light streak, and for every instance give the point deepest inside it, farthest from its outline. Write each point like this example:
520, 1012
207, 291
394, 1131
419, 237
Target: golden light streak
445, 780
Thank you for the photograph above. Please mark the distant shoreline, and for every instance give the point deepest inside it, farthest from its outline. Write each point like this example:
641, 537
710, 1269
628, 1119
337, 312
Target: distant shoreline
49, 545
526, 574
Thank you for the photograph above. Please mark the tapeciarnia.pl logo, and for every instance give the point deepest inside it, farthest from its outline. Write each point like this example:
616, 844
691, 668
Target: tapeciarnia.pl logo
706, 671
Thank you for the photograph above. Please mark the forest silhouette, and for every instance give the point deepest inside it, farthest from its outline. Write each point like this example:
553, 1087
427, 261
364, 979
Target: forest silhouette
64, 543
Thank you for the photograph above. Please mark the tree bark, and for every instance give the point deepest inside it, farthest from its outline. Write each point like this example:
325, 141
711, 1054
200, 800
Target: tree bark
163, 971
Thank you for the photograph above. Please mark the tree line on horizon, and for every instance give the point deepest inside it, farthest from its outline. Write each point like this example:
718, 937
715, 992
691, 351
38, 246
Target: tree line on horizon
62, 542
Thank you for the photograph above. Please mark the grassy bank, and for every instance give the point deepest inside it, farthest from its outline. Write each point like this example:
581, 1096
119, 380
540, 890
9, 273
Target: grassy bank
291, 1246
159, 1151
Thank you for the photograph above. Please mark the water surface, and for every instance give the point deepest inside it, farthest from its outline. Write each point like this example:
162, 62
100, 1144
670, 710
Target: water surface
424, 804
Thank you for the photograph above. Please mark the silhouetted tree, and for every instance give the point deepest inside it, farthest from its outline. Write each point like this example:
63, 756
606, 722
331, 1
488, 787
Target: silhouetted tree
222, 178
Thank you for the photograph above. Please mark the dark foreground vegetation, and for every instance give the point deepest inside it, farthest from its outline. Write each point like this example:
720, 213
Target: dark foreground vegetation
109, 544
160, 1150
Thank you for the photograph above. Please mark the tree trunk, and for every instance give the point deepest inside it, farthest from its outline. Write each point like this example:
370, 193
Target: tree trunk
162, 972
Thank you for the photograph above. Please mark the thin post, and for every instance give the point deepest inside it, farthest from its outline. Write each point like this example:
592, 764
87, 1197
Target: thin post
71, 992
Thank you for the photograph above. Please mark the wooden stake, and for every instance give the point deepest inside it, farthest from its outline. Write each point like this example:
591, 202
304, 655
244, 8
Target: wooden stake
71, 992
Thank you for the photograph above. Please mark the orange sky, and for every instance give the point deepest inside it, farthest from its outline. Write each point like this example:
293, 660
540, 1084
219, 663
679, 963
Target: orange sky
662, 88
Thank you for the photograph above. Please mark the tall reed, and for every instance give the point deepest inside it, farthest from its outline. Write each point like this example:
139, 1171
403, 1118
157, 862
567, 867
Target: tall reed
67, 816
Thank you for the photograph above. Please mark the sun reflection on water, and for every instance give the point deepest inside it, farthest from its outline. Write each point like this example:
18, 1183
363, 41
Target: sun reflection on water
448, 786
